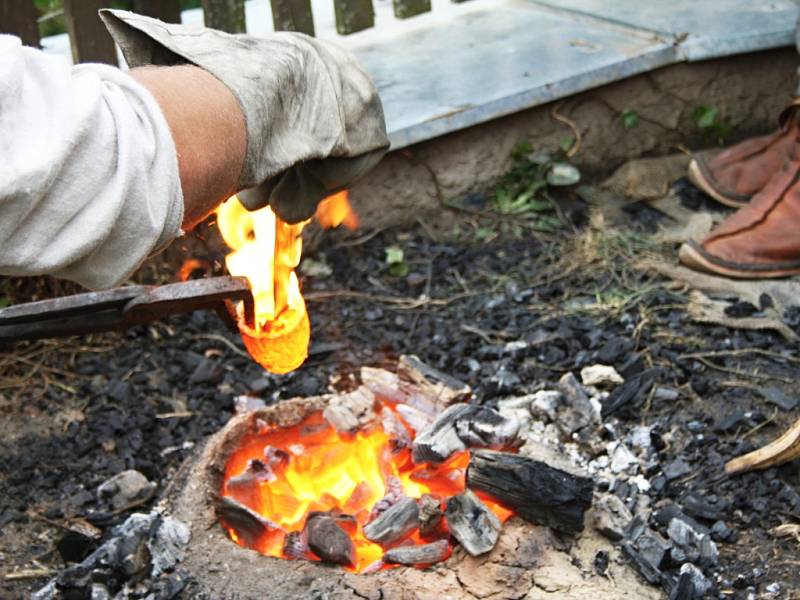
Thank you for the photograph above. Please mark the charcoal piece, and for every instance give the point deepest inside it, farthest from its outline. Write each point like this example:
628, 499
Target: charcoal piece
611, 517
399, 438
462, 426
666, 513
720, 532
676, 469
578, 410
352, 411
442, 388
395, 524
430, 516
125, 489
697, 506
635, 528
394, 493
700, 582
648, 554
690, 545
777, 397
384, 384
426, 554
634, 392
471, 523
328, 541
248, 525
416, 419
531, 488
295, 545
683, 588
167, 545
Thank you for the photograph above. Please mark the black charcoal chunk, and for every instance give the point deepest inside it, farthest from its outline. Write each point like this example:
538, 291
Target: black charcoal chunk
328, 541
471, 523
394, 524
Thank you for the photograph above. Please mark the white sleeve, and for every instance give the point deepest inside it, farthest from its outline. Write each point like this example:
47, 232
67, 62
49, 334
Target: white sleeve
89, 181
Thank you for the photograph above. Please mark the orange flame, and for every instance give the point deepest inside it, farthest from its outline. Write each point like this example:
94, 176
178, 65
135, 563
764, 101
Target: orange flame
328, 471
266, 251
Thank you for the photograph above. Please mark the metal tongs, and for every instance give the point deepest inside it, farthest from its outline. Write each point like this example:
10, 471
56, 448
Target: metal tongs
123, 307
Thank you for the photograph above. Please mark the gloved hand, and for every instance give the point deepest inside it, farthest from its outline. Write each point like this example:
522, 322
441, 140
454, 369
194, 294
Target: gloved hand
314, 119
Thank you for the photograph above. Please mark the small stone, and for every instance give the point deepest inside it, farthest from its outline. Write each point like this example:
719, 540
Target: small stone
600, 376
126, 489
773, 588
611, 517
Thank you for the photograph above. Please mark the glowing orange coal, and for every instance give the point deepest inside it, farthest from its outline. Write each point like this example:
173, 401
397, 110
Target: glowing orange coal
320, 469
267, 251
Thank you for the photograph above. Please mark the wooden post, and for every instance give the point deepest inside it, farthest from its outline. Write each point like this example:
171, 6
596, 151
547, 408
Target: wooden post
225, 15
353, 15
87, 35
18, 17
410, 8
168, 11
292, 15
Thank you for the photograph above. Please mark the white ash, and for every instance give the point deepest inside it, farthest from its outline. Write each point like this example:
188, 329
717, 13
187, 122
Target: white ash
168, 545
622, 459
600, 376
247, 403
545, 403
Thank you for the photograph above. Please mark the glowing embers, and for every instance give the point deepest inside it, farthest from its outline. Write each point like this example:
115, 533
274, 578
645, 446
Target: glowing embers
267, 251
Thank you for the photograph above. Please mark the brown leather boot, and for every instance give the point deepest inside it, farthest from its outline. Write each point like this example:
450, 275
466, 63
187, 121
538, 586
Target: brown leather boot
734, 175
759, 241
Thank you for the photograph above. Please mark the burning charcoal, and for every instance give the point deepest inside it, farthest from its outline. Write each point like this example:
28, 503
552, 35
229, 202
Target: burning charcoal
399, 437
430, 516
245, 486
611, 517
416, 419
426, 554
350, 412
394, 524
383, 383
374, 567
295, 545
275, 457
248, 525
462, 426
443, 388
534, 490
328, 541
471, 523
579, 412
394, 493
126, 489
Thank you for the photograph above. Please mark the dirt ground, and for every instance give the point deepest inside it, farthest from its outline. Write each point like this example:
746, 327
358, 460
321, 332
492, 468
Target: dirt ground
77, 411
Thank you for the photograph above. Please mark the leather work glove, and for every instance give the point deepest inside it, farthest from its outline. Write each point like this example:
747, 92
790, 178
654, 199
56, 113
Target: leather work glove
313, 116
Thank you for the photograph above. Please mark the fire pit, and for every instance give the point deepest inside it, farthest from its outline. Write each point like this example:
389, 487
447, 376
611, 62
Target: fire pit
360, 490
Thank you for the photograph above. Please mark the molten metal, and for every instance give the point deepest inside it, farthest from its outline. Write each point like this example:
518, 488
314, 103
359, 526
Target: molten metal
266, 251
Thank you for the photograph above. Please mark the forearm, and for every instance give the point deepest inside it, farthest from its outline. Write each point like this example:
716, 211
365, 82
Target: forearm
208, 129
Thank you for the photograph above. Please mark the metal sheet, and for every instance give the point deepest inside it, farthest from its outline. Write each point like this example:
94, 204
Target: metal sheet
705, 28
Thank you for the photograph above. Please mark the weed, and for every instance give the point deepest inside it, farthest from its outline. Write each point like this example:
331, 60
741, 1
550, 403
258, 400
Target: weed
708, 120
630, 118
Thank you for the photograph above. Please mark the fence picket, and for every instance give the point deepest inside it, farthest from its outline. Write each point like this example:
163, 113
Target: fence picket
410, 8
87, 35
353, 15
168, 11
292, 15
18, 17
226, 15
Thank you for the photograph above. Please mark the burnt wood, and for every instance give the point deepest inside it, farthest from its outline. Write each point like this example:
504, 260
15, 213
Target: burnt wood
426, 554
249, 526
471, 523
88, 37
168, 11
292, 15
328, 541
18, 17
533, 489
295, 545
441, 386
395, 524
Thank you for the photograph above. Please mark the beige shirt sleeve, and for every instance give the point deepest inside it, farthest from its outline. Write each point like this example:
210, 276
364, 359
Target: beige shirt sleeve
89, 181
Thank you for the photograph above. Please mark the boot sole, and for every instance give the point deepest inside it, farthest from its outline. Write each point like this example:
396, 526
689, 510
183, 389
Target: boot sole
698, 178
694, 257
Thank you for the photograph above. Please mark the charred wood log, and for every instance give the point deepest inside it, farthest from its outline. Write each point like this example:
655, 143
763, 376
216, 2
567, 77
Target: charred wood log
426, 554
249, 526
442, 387
399, 438
464, 426
394, 524
471, 523
328, 541
534, 490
